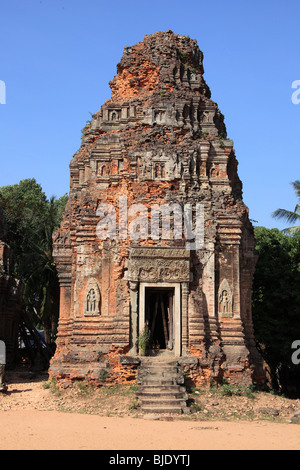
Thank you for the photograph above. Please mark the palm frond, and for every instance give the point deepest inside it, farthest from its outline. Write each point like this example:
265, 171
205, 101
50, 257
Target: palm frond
296, 185
292, 231
290, 216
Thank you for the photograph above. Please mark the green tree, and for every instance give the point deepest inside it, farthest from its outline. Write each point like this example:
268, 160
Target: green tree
291, 217
41, 292
276, 297
24, 206
31, 220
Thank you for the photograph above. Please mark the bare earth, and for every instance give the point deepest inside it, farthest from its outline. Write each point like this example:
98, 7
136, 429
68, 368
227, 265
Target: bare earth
36, 415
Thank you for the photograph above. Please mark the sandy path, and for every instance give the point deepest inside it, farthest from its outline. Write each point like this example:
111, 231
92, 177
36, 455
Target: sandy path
51, 430
33, 417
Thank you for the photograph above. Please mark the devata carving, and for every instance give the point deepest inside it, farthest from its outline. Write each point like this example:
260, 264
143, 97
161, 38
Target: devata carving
225, 300
92, 298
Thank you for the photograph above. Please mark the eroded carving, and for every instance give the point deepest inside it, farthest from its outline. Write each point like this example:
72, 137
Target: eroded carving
159, 265
225, 300
92, 298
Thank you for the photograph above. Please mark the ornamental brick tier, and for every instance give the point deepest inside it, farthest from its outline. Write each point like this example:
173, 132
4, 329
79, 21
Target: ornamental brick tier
156, 153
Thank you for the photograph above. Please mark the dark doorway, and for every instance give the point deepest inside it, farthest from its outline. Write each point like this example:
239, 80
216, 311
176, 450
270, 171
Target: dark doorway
159, 316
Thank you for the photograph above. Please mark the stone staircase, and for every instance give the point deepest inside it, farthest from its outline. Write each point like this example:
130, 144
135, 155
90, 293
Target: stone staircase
161, 387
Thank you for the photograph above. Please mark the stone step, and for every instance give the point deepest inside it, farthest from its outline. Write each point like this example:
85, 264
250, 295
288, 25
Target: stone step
159, 374
162, 409
162, 394
159, 364
170, 369
160, 368
160, 356
156, 377
161, 402
159, 381
152, 370
162, 388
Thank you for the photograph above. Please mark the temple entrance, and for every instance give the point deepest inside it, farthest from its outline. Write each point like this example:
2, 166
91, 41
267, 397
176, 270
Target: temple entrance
159, 307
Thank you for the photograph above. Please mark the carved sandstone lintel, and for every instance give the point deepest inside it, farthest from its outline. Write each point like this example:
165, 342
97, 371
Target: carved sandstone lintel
159, 265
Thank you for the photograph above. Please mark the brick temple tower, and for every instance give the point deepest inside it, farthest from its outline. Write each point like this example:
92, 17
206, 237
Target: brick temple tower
155, 155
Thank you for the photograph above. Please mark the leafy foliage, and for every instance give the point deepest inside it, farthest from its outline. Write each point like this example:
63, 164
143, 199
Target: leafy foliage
31, 219
291, 217
144, 341
276, 296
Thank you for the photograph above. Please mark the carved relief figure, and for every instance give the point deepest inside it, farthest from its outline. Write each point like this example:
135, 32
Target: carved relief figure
225, 300
91, 301
114, 115
214, 173
92, 298
159, 116
158, 269
157, 170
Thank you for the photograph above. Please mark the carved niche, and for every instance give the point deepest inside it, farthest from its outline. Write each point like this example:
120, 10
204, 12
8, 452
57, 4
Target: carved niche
92, 298
225, 300
114, 114
157, 167
159, 116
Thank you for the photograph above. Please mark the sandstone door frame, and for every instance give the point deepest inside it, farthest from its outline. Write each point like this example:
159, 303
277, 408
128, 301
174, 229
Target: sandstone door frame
176, 309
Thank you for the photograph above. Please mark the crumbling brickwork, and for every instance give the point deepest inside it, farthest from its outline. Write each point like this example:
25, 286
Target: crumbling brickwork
159, 141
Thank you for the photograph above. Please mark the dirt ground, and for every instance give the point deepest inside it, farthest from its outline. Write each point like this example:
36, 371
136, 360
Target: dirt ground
35, 414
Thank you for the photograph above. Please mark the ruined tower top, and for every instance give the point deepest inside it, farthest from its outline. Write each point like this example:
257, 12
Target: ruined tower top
160, 82
152, 66
160, 126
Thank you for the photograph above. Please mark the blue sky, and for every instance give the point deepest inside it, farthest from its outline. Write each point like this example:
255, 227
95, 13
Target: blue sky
57, 57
